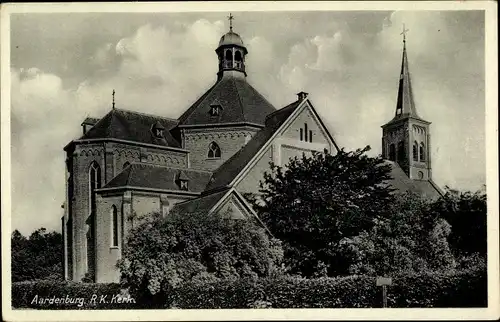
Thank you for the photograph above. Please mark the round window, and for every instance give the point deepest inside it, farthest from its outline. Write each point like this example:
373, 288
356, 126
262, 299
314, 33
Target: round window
420, 175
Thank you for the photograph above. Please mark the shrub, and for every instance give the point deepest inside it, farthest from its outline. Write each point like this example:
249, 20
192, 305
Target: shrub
50, 295
462, 289
162, 253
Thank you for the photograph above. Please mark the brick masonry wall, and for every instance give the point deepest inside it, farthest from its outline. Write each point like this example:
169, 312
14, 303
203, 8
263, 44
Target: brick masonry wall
111, 157
230, 141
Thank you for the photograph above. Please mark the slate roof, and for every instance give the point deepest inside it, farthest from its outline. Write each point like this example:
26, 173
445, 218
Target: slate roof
200, 204
240, 102
402, 183
132, 126
233, 166
147, 175
405, 100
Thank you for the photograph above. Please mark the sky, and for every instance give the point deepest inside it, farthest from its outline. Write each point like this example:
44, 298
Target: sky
64, 67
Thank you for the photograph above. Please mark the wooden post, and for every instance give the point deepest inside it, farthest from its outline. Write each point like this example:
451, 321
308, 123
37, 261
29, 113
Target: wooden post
384, 296
384, 281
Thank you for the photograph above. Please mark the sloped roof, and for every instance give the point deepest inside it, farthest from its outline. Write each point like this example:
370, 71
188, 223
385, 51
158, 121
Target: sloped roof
132, 126
233, 166
200, 204
240, 102
402, 183
145, 175
405, 101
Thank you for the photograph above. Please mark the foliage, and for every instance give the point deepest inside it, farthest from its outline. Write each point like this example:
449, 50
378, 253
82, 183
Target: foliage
36, 257
161, 253
315, 202
43, 295
466, 213
461, 289
412, 240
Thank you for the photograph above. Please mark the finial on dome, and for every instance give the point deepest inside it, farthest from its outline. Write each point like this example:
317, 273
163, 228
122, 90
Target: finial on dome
113, 98
230, 18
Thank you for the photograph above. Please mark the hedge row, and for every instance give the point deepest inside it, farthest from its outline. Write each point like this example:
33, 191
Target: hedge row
462, 289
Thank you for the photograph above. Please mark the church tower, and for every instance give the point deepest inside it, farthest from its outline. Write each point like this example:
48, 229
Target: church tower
406, 138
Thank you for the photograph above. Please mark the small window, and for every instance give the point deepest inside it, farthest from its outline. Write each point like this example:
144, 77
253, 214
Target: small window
114, 226
183, 184
237, 56
159, 133
310, 136
229, 55
422, 152
213, 151
305, 130
301, 134
415, 151
215, 110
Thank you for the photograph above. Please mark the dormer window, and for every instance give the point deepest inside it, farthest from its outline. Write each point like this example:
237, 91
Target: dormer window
182, 181
157, 130
215, 110
183, 184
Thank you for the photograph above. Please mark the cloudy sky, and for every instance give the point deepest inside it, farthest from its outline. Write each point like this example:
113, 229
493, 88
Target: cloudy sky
65, 66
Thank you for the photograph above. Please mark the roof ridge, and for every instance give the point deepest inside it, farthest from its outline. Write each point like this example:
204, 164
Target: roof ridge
146, 114
239, 98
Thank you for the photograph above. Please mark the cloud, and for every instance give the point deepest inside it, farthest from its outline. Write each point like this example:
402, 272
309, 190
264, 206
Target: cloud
350, 70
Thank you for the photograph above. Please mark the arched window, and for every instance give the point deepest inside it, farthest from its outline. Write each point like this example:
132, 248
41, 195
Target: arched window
422, 152
94, 183
229, 55
213, 151
401, 151
305, 131
237, 56
114, 226
392, 152
415, 151
126, 164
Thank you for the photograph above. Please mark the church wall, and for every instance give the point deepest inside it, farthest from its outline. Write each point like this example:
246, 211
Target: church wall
306, 117
234, 208
129, 153
250, 183
107, 254
84, 155
287, 145
230, 141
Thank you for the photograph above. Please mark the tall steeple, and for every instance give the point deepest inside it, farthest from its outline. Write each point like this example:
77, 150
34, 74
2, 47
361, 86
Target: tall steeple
231, 52
405, 103
406, 138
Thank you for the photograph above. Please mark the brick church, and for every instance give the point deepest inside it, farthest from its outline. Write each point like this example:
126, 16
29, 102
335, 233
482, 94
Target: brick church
129, 164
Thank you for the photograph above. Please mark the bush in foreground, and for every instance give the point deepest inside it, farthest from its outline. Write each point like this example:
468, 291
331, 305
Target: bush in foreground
463, 289
460, 289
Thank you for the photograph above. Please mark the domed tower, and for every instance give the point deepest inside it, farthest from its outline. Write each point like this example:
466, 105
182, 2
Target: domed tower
231, 53
224, 119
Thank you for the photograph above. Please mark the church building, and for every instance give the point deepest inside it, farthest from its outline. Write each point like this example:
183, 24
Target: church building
129, 164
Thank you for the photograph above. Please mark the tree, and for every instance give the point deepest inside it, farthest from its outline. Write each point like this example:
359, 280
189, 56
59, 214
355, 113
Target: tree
161, 253
37, 257
412, 240
314, 202
466, 212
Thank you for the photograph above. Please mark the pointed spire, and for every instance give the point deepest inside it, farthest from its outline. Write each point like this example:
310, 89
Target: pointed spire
405, 104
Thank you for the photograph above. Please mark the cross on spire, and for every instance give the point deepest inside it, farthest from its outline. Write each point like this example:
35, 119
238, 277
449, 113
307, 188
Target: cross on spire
404, 33
113, 99
230, 18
